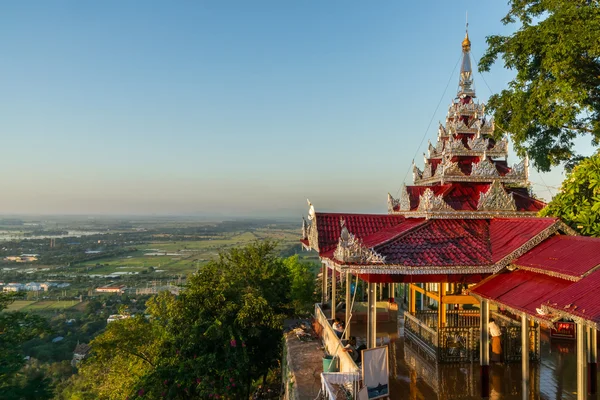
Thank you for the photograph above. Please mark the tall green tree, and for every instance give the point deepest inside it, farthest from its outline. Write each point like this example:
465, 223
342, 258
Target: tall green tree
578, 201
218, 337
302, 284
15, 329
555, 96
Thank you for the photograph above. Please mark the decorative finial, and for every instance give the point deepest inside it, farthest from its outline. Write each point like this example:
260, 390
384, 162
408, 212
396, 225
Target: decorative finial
304, 229
311, 210
466, 43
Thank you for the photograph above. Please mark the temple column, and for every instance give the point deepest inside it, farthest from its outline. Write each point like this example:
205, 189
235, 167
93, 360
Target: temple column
411, 300
525, 356
581, 362
484, 350
592, 356
325, 287
333, 293
380, 291
372, 316
348, 302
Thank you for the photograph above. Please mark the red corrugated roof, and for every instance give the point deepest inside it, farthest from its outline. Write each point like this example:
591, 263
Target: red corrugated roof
360, 225
580, 299
521, 290
508, 234
567, 255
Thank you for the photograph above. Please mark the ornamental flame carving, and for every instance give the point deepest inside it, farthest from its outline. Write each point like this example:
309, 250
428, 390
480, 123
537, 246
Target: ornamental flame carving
456, 144
392, 203
496, 199
428, 201
501, 146
404, 199
351, 249
478, 143
484, 168
518, 170
426, 171
304, 229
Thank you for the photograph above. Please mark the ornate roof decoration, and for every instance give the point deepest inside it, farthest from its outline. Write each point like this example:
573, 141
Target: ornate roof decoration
392, 203
456, 144
478, 143
496, 199
428, 202
484, 168
501, 146
351, 249
520, 170
304, 229
426, 171
404, 199
417, 173
311, 230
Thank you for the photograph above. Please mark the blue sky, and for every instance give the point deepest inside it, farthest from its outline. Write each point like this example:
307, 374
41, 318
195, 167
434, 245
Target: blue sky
227, 107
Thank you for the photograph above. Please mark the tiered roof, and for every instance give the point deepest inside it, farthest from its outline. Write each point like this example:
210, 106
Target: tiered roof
466, 174
461, 220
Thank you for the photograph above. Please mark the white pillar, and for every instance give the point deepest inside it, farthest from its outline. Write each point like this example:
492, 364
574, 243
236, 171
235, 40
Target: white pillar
325, 284
581, 362
372, 316
484, 349
333, 293
348, 303
525, 355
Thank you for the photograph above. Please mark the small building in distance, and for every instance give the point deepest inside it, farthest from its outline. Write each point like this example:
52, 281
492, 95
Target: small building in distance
81, 351
117, 317
111, 289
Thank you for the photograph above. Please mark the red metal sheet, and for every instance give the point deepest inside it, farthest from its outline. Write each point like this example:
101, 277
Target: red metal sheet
508, 234
568, 255
580, 299
521, 290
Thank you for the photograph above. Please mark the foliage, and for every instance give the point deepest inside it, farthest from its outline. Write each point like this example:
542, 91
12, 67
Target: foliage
578, 202
15, 329
221, 334
555, 96
302, 284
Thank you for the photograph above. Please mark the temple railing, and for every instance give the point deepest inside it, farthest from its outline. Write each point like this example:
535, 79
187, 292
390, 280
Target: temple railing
458, 341
419, 332
333, 345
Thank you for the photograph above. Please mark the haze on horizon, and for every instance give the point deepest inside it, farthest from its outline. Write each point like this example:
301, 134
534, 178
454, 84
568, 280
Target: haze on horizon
228, 107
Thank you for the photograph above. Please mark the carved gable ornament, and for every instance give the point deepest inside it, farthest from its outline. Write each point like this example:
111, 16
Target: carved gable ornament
496, 199
351, 249
478, 143
428, 201
484, 168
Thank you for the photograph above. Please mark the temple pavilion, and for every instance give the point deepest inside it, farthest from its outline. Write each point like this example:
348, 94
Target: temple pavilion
460, 238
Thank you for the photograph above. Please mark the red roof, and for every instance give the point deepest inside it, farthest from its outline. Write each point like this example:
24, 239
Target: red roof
439, 242
580, 299
508, 234
463, 196
520, 290
567, 255
360, 225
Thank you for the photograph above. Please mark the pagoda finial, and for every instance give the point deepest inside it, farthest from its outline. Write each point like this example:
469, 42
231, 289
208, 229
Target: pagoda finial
466, 72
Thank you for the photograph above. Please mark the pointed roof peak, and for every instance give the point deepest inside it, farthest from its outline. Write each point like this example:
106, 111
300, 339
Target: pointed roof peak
466, 72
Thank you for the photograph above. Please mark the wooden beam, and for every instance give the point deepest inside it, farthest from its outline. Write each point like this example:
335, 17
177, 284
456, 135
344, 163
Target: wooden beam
431, 295
459, 299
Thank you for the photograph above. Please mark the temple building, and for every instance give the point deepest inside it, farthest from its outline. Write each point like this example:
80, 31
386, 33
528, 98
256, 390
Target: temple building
465, 236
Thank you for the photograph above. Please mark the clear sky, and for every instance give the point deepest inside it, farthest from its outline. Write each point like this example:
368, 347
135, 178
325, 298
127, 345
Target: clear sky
227, 107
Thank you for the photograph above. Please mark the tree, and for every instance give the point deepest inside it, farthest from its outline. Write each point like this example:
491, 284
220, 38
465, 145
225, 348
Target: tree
578, 202
218, 337
15, 329
555, 96
302, 284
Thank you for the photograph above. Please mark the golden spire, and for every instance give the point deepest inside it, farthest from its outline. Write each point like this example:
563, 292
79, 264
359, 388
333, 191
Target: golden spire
466, 43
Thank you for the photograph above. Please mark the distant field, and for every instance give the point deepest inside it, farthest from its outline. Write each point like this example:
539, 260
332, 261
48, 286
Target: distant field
27, 305
18, 305
190, 254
